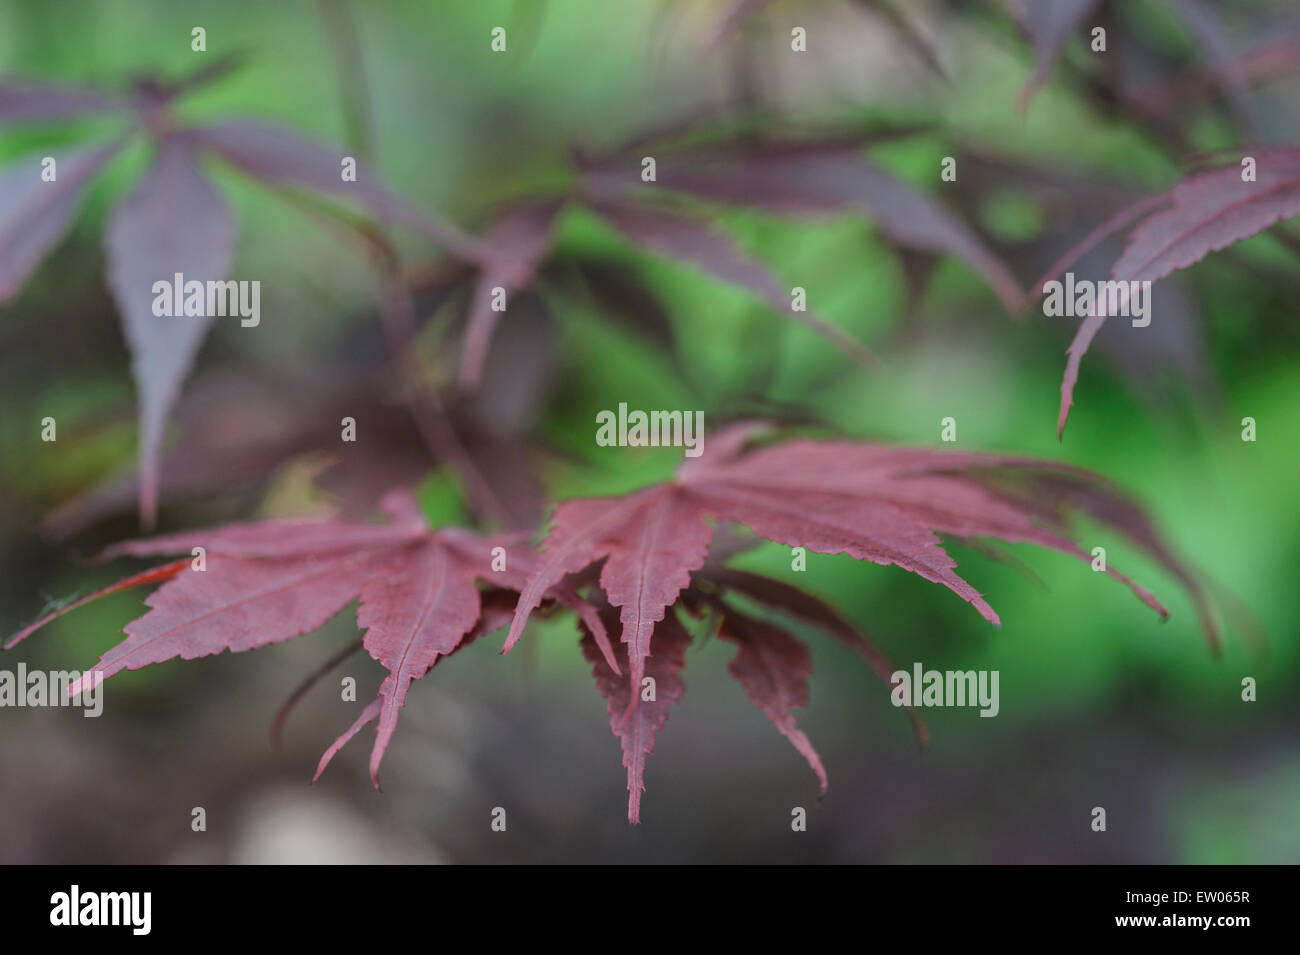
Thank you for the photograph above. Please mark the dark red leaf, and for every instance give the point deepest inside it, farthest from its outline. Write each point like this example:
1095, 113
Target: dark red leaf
651, 541
281, 157
267, 582
1206, 212
700, 245
774, 668
810, 609
415, 611
636, 721
875, 502
236, 604
831, 178
1049, 24
154, 575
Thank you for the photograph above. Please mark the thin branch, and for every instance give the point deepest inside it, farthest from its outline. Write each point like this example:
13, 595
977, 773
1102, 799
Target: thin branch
396, 306
282, 714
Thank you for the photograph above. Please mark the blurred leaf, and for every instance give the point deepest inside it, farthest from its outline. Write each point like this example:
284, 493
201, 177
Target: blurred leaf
174, 224
35, 214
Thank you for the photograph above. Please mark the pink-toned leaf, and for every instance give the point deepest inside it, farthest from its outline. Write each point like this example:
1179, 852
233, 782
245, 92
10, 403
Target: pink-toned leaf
519, 238
831, 178
1078, 347
877, 503
174, 222
496, 614
1051, 494
698, 244
932, 489
1123, 218
236, 604
414, 611
420, 599
1211, 211
498, 611
154, 575
368, 715
1049, 24
726, 444
1272, 58
280, 156
636, 721
268, 582
865, 530
580, 535
774, 668
651, 565
589, 614
276, 538
804, 606
34, 214
25, 101
237, 428
651, 541
1206, 212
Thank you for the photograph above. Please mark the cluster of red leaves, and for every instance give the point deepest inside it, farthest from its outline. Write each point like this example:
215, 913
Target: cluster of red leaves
1048, 24
269, 581
1204, 213
621, 562
799, 178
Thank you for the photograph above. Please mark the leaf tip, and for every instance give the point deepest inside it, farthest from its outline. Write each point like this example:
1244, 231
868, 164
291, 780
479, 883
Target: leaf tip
516, 631
1061, 418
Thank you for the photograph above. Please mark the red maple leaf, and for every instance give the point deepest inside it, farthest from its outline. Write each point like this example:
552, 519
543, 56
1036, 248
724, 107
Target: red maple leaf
270, 581
420, 597
1205, 213
878, 503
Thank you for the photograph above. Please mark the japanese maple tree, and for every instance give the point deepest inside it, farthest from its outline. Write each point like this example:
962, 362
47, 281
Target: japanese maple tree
420, 598
648, 573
